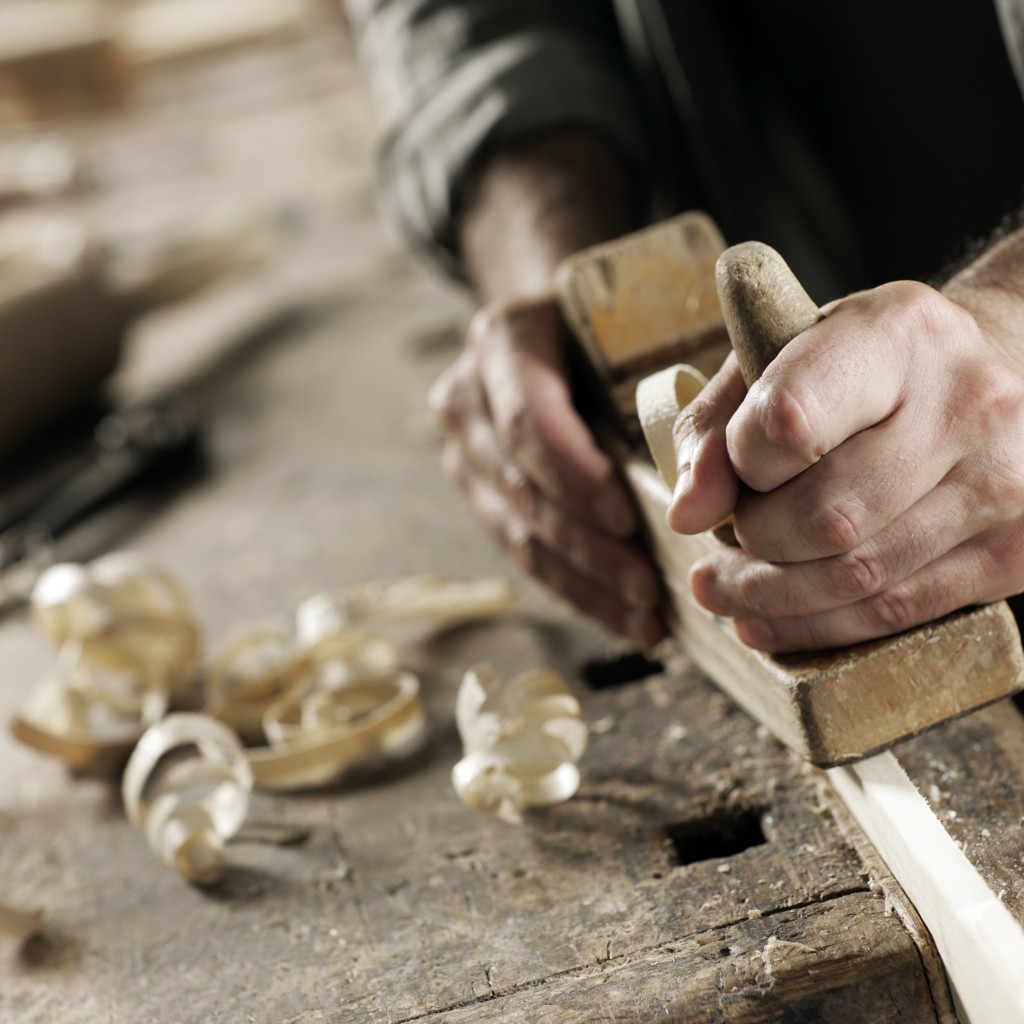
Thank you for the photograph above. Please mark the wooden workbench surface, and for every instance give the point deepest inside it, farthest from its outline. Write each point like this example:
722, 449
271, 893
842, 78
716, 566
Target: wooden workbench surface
697, 876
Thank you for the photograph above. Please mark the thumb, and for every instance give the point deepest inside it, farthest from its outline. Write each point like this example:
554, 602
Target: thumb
707, 487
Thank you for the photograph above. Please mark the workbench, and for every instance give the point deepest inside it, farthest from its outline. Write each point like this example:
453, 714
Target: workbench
700, 874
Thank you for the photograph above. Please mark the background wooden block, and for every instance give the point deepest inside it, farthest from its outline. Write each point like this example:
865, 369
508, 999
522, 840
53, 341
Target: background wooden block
58, 59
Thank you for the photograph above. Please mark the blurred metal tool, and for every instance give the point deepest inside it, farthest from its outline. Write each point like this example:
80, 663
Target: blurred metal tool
127, 446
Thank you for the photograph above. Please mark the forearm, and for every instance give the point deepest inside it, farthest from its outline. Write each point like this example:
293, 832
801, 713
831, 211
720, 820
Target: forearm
530, 205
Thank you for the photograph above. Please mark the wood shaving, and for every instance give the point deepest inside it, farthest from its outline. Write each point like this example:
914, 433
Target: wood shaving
125, 613
521, 741
127, 645
187, 786
317, 739
420, 597
337, 700
659, 400
312, 709
249, 676
314, 713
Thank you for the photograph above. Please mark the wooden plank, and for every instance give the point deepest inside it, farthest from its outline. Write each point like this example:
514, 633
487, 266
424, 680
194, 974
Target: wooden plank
972, 774
979, 939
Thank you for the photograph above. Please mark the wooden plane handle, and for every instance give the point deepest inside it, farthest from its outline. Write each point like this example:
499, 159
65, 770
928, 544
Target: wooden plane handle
763, 304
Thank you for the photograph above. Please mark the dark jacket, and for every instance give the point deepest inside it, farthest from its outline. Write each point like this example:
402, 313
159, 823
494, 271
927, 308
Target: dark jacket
866, 140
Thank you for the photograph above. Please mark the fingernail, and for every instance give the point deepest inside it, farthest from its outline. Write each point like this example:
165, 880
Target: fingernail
755, 633
705, 588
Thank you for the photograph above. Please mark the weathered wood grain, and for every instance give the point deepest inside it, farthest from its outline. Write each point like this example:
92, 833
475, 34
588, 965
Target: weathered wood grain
749, 973
400, 902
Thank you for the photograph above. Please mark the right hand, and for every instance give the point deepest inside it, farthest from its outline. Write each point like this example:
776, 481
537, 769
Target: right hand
533, 473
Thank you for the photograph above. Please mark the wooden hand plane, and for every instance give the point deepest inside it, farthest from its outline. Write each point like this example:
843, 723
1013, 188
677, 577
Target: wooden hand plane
648, 300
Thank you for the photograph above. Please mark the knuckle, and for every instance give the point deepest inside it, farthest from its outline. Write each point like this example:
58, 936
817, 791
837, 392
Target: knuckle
853, 575
453, 465
749, 595
835, 529
570, 541
784, 420
696, 419
443, 399
999, 491
991, 394
510, 317
920, 314
485, 323
895, 609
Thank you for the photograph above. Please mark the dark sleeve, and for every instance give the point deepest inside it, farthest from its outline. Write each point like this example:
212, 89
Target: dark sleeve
453, 78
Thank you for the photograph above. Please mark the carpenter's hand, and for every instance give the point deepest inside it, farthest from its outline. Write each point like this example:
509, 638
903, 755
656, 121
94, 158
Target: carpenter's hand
534, 475
882, 455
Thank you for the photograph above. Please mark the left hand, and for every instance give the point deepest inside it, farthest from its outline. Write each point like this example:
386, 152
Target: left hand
875, 474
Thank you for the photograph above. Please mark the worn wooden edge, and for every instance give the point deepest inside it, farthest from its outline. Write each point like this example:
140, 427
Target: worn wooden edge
764, 306
835, 707
980, 941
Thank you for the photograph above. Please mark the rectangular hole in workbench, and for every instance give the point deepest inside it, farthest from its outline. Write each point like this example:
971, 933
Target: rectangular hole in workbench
725, 832
619, 669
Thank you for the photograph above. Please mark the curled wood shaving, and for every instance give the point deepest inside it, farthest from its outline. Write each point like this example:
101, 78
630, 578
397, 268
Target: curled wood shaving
349, 657
21, 924
187, 786
420, 597
318, 738
521, 741
124, 613
126, 644
258, 680
249, 676
337, 700
659, 400
321, 711
88, 716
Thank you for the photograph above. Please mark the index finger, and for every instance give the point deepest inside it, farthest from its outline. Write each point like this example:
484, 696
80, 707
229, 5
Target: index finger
845, 373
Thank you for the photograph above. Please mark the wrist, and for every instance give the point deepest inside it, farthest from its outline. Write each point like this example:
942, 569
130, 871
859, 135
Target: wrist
991, 290
531, 204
